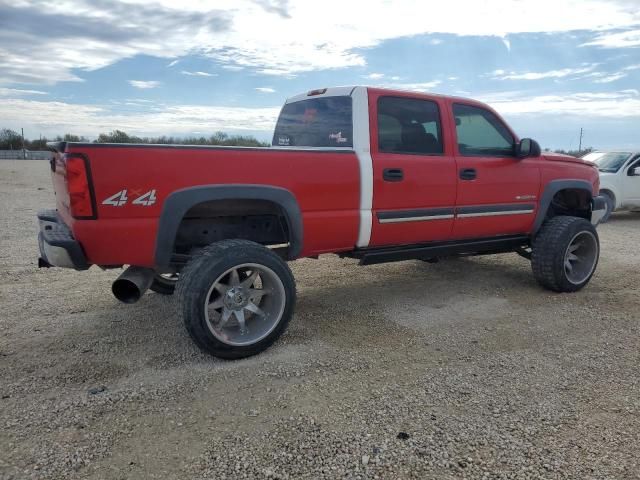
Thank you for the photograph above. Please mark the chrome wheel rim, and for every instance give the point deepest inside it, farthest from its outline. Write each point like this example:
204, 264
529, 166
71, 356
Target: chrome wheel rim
244, 304
580, 257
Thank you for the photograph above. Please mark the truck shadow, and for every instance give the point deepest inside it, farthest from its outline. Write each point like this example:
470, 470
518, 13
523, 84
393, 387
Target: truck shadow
339, 308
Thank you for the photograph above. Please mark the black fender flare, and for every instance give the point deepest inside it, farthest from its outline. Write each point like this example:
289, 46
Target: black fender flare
178, 203
550, 190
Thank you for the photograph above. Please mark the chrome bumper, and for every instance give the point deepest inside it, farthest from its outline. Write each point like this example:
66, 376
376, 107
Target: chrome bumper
58, 248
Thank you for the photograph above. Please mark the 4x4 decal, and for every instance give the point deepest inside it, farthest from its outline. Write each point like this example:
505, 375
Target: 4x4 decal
120, 199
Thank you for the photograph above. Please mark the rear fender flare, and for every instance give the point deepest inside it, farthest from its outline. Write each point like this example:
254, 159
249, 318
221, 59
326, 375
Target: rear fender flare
550, 190
178, 203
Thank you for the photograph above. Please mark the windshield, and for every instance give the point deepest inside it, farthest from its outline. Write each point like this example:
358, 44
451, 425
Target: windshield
611, 162
317, 122
592, 156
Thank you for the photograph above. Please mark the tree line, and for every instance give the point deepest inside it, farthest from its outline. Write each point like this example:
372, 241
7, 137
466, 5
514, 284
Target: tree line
12, 140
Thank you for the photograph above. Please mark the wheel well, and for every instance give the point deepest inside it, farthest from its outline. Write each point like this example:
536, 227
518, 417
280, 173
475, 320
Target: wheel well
261, 221
606, 191
575, 202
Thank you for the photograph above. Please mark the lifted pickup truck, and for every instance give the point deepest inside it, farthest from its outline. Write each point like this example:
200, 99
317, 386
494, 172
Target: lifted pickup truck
373, 174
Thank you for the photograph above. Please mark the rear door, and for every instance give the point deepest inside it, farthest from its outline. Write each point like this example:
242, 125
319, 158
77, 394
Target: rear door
414, 172
497, 192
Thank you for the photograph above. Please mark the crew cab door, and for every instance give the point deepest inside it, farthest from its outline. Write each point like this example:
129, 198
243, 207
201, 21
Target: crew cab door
414, 173
631, 184
497, 192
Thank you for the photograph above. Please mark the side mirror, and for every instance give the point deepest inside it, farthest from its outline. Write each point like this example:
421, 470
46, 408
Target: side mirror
528, 148
635, 172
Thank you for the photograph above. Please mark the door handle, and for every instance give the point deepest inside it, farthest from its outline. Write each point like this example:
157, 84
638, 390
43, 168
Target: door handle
468, 174
393, 175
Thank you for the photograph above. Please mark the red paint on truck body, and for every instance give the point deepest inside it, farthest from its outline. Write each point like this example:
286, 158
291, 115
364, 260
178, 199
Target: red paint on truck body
325, 184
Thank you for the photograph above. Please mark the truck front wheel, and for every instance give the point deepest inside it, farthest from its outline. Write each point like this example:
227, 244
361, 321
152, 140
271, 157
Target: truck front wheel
565, 254
236, 298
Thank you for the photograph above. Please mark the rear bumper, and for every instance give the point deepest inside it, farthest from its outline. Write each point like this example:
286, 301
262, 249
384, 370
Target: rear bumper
598, 209
58, 248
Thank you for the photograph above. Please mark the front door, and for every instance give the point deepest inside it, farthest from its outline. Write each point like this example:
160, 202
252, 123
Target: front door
631, 184
414, 171
497, 192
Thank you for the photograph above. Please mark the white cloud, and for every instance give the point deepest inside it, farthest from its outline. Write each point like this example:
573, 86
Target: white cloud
175, 62
630, 38
4, 92
53, 118
560, 73
621, 104
422, 87
374, 76
611, 78
199, 74
233, 68
302, 37
144, 84
265, 89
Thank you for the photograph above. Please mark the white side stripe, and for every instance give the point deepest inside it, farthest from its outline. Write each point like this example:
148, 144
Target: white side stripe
362, 147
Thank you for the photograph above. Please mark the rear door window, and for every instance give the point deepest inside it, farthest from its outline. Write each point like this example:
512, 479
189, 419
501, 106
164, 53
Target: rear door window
409, 125
317, 122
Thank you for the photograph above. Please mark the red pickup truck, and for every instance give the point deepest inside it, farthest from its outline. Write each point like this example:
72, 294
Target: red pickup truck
378, 175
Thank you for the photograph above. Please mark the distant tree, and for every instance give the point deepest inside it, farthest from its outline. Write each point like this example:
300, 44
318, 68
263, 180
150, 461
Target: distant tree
10, 140
575, 153
218, 138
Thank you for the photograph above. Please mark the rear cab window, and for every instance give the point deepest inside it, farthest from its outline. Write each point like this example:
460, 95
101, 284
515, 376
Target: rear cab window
324, 122
481, 133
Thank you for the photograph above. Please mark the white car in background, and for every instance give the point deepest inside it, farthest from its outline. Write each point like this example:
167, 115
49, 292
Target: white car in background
619, 179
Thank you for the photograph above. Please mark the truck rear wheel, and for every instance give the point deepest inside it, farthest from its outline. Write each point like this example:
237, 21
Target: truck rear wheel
565, 254
236, 298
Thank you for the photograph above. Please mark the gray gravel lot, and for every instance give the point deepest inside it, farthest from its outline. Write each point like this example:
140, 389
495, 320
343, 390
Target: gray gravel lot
462, 369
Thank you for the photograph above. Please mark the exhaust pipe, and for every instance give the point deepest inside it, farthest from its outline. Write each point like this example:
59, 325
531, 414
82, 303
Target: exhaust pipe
132, 283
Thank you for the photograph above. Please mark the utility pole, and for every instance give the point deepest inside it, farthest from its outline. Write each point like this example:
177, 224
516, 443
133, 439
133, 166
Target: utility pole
24, 152
580, 146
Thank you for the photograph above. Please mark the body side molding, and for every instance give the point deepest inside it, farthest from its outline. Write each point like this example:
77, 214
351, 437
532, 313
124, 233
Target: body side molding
178, 203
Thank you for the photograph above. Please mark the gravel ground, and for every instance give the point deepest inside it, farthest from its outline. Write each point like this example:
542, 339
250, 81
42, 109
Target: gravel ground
462, 369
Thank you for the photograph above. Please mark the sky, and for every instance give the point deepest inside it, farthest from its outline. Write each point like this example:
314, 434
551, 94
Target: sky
194, 67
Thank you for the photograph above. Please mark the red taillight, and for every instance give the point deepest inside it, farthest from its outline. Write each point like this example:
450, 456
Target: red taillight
77, 176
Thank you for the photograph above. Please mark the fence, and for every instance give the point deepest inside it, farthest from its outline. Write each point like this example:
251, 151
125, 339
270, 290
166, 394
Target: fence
27, 154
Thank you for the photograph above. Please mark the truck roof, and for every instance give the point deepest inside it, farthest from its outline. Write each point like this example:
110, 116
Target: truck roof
348, 90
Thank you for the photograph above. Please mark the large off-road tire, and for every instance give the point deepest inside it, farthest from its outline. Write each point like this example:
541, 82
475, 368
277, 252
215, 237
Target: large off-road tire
236, 298
164, 284
565, 254
610, 205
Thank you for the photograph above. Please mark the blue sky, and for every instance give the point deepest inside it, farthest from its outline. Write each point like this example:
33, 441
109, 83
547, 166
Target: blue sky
153, 68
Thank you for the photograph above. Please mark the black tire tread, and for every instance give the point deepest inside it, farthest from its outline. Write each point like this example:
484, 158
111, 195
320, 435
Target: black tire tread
547, 256
611, 205
162, 288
